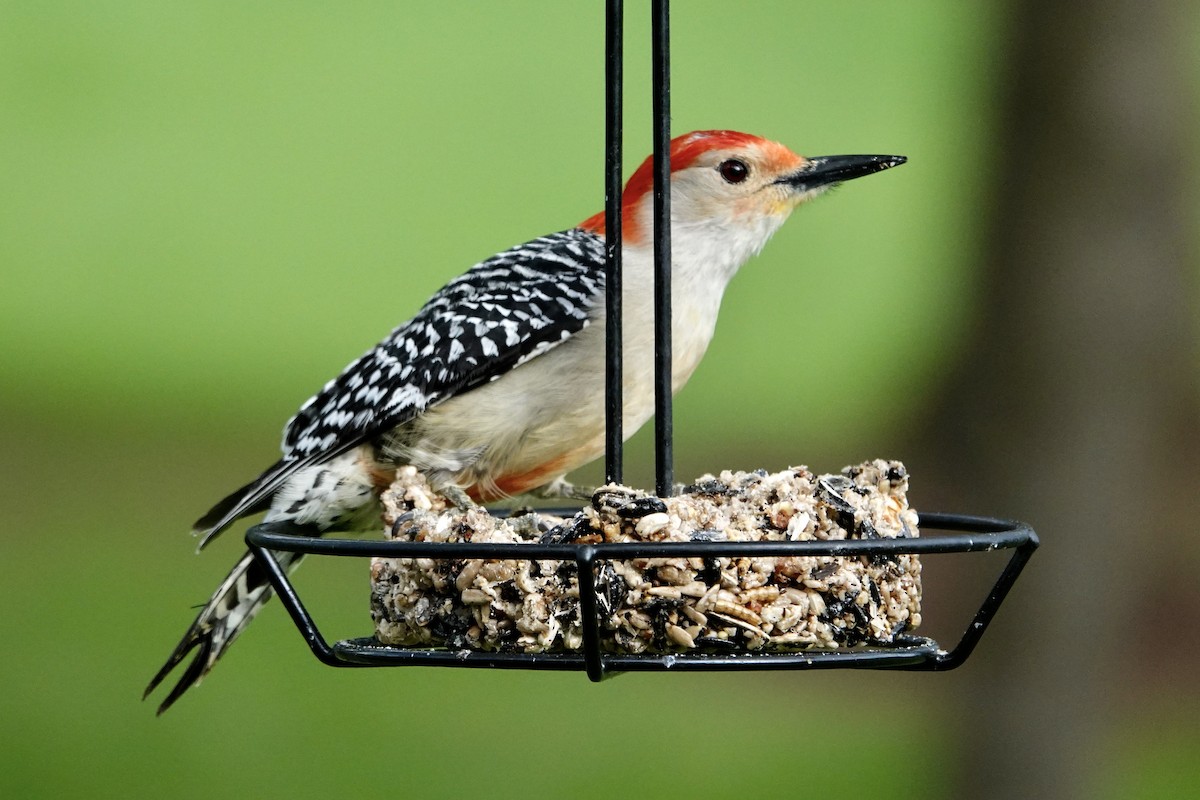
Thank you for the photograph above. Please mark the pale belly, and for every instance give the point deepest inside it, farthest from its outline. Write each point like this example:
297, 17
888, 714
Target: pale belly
546, 417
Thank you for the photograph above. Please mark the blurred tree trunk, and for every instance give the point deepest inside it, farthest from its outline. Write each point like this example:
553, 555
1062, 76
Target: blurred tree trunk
1075, 405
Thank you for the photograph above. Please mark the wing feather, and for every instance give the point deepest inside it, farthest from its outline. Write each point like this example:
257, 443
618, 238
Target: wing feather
498, 315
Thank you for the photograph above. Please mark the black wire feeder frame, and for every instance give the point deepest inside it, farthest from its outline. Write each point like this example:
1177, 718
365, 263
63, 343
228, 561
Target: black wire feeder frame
976, 534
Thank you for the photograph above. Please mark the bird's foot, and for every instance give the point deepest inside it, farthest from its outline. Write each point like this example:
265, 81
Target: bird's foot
458, 498
561, 489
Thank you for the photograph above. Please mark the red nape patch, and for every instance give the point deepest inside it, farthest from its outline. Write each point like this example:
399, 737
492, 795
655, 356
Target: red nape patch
685, 150
595, 223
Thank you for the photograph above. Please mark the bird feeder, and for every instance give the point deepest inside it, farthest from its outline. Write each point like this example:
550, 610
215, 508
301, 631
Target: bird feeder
593, 576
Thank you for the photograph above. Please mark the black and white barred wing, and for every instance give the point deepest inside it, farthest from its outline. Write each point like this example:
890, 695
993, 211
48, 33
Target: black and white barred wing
498, 315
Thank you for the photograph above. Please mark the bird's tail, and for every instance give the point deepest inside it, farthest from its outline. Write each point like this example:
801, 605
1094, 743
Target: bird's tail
230, 609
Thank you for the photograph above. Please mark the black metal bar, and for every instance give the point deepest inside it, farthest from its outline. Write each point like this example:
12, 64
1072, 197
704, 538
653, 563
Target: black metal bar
614, 402
663, 422
369, 653
589, 613
963, 543
291, 601
987, 534
865, 658
987, 611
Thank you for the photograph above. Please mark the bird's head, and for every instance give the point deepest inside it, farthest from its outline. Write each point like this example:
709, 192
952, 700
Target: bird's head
734, 184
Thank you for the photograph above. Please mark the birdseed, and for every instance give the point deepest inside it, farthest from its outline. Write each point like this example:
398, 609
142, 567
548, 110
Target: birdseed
660, 605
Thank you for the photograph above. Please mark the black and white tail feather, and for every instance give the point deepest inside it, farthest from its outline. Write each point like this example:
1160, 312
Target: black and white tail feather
501, 313
233, 605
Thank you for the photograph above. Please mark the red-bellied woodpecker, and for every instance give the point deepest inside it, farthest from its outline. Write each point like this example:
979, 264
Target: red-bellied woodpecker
496, 387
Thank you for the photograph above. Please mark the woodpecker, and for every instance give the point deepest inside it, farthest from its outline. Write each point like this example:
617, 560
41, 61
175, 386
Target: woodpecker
496, 387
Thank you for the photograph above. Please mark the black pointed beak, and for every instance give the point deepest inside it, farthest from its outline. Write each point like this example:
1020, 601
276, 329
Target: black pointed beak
827, 170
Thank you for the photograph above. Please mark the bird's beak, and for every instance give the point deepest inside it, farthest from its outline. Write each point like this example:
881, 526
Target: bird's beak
821, 171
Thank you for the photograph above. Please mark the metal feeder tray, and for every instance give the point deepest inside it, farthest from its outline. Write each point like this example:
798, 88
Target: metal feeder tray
977, 534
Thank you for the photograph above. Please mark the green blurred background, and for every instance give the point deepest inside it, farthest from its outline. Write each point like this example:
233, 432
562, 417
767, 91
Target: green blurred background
209, 208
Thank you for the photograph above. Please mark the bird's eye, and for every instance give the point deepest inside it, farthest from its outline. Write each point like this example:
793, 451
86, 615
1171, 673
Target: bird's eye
733, 171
